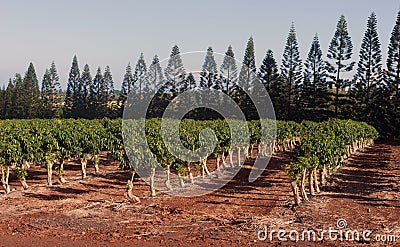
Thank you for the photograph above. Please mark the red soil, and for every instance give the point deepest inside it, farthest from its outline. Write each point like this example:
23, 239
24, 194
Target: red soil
365, 192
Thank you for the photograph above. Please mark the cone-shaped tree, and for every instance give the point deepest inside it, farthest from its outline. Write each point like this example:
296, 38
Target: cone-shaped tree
208, 74
369, 69
248, 70
291, 70
314, 90
175, 73
154, 77
393, 62
140, 73
268, 72
340, 51
73, 81
30, 93
229, 71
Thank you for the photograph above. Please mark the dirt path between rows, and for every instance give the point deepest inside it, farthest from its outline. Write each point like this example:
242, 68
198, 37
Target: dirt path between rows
94, 212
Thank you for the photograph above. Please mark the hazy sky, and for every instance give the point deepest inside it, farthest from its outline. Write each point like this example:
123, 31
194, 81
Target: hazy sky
114, 33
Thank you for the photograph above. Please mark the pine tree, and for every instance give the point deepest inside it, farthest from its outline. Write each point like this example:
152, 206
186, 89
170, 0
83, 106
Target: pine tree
248, 70
369, 69
340, 50
314, 90
127, 84
30, 94
15, 107
191, 81
8, 104
46, 96
106, 92
229, 71
393, 62
83, 101
291, 71
55, 92
94, 94
51, 94
2, 102
154, 77
208, 74
73, 81
268, 72
274, 84
174, 73
140, 73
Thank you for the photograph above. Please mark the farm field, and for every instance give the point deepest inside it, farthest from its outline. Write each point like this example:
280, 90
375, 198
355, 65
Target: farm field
94, 211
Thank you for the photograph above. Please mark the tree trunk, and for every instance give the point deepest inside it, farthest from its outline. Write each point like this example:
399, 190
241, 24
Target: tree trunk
205, 166
323, 176
271, 148
49, 172
238, 157
223, 161
218, 161
61, 173
83, 166
311, 182
152, 187
24, 184
168, 181
190, 173
181, 182
96, 164
316, 182
4, 179
129, 194
296, 194
231, 158
303, 185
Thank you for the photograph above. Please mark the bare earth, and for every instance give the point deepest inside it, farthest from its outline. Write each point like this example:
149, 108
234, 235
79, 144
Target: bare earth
94, 212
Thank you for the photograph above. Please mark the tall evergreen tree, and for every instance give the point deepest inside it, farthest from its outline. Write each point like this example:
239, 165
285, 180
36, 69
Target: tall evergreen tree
154, 77
56, 92
314, 90
15, 106
51, 94
175, 73
274, 84
208, 74
248, 70
127, 83
369, 69
229, 71
8, 100
30, 93
106, 92
2, 102
82, 91
94, 95
291, 71
268, 72
46, 96
340, 50
393, 62
140, 73
73, 81
191, 81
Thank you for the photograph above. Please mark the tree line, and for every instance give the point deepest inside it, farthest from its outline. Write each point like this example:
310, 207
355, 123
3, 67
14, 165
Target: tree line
315, 89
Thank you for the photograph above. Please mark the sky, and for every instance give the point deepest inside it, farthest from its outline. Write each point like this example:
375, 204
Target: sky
115, 32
